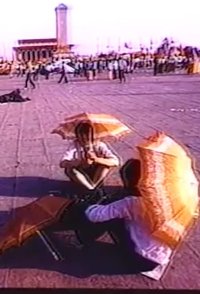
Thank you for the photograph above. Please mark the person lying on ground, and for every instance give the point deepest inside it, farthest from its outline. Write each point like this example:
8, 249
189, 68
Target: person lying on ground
14, 96
88, 161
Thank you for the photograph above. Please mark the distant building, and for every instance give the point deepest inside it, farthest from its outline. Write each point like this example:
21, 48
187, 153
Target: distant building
40, 49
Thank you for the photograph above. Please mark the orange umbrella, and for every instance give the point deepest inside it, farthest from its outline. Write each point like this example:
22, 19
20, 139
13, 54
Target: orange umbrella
169, 188
104, 125
30, 219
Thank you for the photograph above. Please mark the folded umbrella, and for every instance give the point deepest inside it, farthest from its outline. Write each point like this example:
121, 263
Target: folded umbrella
104, 125
169, 188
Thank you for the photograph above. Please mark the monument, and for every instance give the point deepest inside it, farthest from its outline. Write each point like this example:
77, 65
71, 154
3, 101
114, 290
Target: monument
61, 28
45, 49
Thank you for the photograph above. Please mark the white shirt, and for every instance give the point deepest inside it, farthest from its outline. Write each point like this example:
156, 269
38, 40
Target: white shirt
115, 65
122, 64
76, 152
129, 209
110, 66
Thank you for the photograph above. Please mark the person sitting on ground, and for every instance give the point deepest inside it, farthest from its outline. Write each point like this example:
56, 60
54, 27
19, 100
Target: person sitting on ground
122, 219
88, 161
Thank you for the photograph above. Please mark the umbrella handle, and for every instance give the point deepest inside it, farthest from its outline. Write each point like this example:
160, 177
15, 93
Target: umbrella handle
57, 256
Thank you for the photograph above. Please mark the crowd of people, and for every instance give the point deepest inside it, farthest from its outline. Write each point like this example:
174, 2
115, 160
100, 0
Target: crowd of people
115, 66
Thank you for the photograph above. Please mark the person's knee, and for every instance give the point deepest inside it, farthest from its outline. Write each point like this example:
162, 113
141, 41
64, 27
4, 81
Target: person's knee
104, 170
68, 171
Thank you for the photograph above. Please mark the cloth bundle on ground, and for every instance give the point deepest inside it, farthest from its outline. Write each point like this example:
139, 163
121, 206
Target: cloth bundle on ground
14, 96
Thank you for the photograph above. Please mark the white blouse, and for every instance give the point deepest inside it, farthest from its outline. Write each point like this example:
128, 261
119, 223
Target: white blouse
129, 209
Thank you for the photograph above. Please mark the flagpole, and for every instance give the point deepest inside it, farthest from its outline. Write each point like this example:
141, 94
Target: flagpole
97, 45
4, 52
119, 45
108, 44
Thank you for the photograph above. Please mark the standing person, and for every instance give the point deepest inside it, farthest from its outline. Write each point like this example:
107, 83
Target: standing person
18, 68
63, 74
23, 69
36, 73
94, 68
29, 74
110, 69
122, 68
155, 65
115, 69
88, 161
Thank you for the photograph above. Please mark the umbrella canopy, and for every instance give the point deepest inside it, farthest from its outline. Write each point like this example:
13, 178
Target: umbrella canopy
169, 188
104, 126
29, 219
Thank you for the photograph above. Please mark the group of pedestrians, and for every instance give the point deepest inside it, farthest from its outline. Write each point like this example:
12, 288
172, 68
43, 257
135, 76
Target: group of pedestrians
115, 66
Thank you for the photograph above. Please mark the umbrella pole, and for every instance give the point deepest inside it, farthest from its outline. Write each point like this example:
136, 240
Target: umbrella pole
47, 242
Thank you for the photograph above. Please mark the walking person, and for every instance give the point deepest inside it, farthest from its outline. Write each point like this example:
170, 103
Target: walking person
29, 75
63, 74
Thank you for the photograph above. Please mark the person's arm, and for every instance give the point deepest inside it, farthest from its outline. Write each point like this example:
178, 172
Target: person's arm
118, 209
110, 162
64, 163
68, 159
105, 156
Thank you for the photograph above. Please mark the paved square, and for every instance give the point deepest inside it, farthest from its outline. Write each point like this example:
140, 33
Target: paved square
29, 169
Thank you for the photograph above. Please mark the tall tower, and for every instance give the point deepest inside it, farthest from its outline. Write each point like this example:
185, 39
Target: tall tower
61, 26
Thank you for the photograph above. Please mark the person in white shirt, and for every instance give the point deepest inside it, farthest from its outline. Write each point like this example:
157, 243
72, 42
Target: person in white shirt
134, 235
88, 161
122, 67
115, 69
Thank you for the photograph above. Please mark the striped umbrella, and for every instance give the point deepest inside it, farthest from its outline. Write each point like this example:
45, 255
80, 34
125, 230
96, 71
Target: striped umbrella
104, 125
169, 188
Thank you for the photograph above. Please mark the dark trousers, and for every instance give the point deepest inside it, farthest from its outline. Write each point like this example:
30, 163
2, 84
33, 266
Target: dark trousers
47, 75
35, 76
87, 232
29, 80
122, 75
114, 74
63, 76
155, 69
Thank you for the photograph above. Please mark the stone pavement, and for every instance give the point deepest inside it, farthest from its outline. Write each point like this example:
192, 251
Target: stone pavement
29, 157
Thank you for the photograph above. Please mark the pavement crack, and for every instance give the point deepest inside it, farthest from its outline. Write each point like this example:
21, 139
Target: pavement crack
19, 138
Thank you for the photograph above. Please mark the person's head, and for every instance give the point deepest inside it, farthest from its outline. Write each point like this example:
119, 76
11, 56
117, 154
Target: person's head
84, 133
17, 91
130, 174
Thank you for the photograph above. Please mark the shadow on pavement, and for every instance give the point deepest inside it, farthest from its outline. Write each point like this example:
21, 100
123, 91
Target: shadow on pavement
29, 186
102, 259
33, 187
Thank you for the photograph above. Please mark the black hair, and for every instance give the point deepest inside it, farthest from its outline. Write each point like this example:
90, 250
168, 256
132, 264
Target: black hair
130, 174
84, 128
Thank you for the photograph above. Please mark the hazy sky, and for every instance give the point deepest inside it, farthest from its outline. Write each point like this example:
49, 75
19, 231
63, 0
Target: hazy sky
93, 22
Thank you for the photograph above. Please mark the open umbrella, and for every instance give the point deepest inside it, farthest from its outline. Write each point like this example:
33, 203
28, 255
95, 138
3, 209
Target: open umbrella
104, 125
31, 219
169, 188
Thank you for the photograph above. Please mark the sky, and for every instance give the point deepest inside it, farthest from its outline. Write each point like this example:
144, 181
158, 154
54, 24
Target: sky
94, 24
